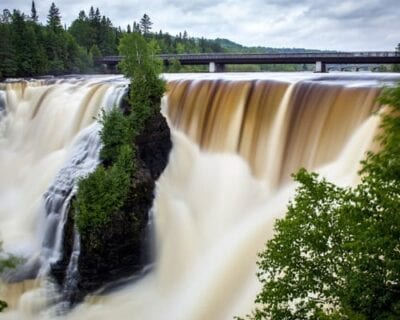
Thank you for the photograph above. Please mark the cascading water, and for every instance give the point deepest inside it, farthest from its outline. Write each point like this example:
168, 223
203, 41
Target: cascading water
236, 140
48, 127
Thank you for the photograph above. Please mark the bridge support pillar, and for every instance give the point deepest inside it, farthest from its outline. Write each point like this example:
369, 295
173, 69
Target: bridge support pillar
112, 69
216, 67
320, 67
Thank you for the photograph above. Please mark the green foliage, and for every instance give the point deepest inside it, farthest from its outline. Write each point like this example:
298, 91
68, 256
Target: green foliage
95, 31
336, 253
116, 132
142, 67
54, 19
29, 49
102, 194
8, 65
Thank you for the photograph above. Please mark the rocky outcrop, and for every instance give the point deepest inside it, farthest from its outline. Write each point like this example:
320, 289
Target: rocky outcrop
123, 250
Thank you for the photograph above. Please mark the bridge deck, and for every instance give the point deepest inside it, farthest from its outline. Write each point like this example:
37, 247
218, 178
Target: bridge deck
376, 57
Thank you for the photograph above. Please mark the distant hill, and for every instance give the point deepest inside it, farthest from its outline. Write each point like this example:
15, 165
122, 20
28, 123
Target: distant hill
230, 46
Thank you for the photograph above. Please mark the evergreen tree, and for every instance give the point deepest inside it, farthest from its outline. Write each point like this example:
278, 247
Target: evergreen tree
8, 64
82, 15
128, 28
97, 16
34, 16
136, 27
54, 19
6, 16
91, 14
145, 24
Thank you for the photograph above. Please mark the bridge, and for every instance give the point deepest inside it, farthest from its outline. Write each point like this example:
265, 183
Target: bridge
217, 61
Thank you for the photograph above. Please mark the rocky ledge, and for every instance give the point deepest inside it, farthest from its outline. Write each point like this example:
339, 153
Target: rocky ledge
124, 242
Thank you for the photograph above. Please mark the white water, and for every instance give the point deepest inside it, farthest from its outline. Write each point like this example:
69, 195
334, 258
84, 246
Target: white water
48, 139
212, 216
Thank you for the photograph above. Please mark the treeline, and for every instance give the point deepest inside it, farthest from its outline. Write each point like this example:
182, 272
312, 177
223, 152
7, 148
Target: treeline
30, 48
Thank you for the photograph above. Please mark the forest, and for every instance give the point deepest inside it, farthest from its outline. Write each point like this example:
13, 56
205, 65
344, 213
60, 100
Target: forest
29, 48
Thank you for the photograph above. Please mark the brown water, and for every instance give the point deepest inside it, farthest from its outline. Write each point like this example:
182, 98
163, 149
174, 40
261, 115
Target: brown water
237, 138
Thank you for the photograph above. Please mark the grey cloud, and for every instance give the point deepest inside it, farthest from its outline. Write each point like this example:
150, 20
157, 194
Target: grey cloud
337, 24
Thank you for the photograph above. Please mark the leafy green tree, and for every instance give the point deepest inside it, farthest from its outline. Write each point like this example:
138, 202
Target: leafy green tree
336, 253
142, 67
102, 194
95, 52
116, 132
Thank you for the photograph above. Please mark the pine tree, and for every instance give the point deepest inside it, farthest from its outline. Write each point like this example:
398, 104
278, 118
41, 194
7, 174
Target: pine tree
8, 64
34, 16
97, 16
145, 24
82, 15
128, 28
6, 17
54, 19
91, 14
136, 27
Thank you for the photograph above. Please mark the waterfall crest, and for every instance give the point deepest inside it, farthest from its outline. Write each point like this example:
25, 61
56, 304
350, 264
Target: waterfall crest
236, 141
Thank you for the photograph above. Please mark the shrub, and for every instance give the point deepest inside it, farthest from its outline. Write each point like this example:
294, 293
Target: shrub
116, 132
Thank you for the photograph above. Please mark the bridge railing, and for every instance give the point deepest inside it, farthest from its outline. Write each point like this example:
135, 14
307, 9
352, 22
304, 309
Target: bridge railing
187, 56
283, 55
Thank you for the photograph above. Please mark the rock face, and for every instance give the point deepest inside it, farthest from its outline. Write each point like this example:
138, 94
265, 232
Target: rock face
122, 252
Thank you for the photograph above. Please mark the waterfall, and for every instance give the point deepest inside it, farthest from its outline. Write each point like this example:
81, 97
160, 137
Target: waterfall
237, 139
49, 140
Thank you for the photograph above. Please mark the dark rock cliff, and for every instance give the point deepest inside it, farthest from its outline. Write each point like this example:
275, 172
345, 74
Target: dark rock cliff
123, 250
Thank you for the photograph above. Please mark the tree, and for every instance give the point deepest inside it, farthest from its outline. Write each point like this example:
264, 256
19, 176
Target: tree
145, 24
34, 16
6, 16
91, 14
336, 253
54, 19
8, 64
106, 197
142, 67
95, 52
136, 27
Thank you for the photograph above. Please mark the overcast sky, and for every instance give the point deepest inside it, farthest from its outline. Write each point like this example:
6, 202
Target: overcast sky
313, 24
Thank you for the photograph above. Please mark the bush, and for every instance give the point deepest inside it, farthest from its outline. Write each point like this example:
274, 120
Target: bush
103, 193
336, 254
116, 132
